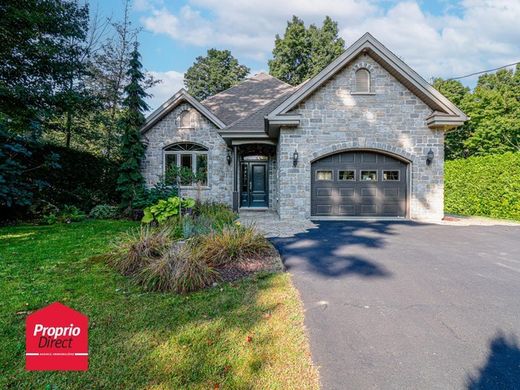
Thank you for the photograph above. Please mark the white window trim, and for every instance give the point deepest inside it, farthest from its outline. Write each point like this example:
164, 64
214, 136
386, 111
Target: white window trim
193, 164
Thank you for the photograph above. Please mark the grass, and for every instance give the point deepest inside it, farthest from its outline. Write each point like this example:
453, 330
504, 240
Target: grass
235, 336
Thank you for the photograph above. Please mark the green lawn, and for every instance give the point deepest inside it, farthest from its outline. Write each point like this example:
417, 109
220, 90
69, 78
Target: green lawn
240, 335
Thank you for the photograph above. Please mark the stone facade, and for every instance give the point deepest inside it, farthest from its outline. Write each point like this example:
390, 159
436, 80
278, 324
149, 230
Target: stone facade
202, 132
389, 118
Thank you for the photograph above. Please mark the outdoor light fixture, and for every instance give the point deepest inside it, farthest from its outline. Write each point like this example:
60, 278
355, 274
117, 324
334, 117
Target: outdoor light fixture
429, 157
295, 158
228, 157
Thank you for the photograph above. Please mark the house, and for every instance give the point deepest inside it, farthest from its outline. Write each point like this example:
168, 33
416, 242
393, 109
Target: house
363, 138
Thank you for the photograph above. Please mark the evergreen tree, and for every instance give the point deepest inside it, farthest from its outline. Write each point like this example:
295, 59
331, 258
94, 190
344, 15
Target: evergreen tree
41, 52
302, 53
212, 74
130, 180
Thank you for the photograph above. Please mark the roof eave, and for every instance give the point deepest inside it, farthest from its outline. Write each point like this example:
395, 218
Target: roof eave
181, 96
368, 43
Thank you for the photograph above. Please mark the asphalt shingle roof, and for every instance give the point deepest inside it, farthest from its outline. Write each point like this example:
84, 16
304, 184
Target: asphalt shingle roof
252, 98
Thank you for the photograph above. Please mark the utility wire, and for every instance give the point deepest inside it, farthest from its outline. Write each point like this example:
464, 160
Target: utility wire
484, 71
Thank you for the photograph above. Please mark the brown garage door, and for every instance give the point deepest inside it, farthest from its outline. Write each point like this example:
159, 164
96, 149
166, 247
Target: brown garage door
359, 184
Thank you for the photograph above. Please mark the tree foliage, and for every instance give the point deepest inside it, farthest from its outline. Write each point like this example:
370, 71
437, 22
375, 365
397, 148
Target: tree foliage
303, 52
212, 74
40, 55
130, 179
494, 110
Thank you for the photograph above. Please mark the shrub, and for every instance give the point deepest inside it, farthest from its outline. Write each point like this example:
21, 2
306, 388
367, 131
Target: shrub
104, 211
231, 244
486, 186
67, 214
137, 248
149, 196
218, 214
165, 209
179, 270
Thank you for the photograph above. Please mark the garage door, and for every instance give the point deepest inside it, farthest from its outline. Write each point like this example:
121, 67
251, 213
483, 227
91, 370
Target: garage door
360, 184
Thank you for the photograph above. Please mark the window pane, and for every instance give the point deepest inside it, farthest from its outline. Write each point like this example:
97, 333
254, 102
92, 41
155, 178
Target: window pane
391, 175
362, 80
202, 168
323, 175
369, 175
186, 163
170, 161
347, 175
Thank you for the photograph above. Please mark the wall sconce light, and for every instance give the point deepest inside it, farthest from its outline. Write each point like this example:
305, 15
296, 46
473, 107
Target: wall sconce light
295, 158
228, 157
429, 157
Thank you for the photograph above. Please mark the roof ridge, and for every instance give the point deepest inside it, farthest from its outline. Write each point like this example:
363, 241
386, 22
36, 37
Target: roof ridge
244, 81
284, 95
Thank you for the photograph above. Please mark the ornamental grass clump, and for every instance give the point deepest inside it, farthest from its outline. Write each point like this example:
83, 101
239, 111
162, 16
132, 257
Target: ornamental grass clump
179, 270
232, 244
137, 248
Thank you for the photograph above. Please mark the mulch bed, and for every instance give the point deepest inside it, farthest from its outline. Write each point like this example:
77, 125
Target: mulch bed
267, 263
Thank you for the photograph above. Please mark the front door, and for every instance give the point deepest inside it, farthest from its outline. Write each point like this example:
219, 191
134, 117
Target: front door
253, 186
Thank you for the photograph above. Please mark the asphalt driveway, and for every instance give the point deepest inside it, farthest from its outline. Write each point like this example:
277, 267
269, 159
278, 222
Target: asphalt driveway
402, 305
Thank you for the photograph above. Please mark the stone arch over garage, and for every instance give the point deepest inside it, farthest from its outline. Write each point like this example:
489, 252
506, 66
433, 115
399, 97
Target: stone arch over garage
360, 180
394, 151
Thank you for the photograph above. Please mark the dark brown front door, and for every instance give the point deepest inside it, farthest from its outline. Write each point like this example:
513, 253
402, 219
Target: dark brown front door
359, 184
254, 191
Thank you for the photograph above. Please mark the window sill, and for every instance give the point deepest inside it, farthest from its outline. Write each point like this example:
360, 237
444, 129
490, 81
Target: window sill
362, 93
195, 187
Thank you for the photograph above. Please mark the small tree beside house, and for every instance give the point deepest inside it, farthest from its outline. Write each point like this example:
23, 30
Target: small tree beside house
130, 180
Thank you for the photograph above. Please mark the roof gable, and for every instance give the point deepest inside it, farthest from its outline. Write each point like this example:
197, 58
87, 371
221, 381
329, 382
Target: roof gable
180, 97
445, 113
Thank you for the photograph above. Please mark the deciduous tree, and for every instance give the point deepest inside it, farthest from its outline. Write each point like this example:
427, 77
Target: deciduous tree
212, 74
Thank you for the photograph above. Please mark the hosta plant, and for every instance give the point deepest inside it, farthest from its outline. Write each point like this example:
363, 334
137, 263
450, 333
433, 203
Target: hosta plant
165, 209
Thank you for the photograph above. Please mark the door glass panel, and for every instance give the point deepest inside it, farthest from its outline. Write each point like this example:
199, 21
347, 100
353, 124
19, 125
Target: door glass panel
369, 175
244, 182
323, 175
391, 175
347, 175
202, 168
258, 178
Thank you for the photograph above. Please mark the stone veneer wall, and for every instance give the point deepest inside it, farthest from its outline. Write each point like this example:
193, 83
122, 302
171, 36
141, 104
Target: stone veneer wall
202, 132
389, 118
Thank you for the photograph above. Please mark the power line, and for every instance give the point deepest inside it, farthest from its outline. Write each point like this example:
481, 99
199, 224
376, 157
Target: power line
484, 71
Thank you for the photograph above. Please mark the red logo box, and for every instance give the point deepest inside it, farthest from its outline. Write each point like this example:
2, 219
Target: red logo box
56, 339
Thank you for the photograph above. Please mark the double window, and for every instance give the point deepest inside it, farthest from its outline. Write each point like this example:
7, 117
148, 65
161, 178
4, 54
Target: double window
191, 158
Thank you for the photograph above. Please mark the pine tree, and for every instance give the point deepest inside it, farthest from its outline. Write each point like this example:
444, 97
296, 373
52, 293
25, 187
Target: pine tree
130, 180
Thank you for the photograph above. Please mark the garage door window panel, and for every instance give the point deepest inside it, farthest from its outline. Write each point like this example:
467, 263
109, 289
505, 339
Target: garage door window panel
369, 175
324, 175
391, 176
347, 175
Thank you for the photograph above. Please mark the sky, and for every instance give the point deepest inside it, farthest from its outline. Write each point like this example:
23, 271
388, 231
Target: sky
437, 38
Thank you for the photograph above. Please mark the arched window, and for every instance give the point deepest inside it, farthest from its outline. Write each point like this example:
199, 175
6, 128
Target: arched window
185, 119
362, 80
188, 157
